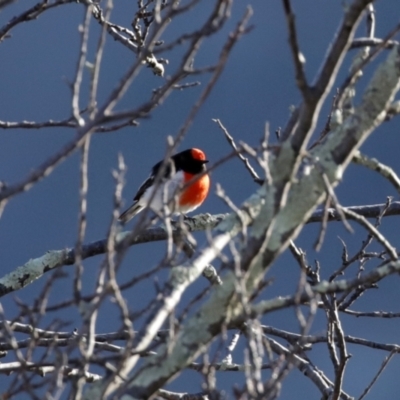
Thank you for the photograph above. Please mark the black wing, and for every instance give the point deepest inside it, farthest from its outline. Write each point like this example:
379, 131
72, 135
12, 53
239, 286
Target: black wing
150, 180
143, 187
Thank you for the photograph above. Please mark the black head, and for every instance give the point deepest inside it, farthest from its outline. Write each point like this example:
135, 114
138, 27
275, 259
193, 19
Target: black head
192, 161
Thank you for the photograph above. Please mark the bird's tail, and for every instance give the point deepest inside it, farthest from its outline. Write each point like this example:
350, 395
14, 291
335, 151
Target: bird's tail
127, 215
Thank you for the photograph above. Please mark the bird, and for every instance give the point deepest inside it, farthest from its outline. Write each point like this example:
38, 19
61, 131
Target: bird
180, 169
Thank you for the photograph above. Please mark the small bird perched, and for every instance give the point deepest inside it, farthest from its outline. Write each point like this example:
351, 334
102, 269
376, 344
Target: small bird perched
180, 169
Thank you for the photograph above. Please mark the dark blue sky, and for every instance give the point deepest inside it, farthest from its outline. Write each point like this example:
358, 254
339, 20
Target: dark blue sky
257, 86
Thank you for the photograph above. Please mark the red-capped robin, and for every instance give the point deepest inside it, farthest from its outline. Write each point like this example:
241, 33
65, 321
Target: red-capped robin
181, 168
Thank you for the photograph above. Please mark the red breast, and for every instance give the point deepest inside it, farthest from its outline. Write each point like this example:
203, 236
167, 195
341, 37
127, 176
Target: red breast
195, 193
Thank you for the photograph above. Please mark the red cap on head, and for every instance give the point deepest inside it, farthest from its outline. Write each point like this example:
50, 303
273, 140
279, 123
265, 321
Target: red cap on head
198, 154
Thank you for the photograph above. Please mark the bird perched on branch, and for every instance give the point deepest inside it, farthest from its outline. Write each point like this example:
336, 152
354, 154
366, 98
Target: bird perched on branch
183, 187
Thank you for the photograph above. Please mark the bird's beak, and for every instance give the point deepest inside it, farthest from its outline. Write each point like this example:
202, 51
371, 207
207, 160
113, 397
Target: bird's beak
204, 161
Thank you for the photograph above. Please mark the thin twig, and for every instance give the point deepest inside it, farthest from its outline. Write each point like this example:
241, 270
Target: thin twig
369, 42
373, 231
375, 165
324, 225
378, 374
80, 66
245, 160
297, 56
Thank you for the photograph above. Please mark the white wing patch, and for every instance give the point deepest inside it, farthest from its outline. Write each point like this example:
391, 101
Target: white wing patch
164, 193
